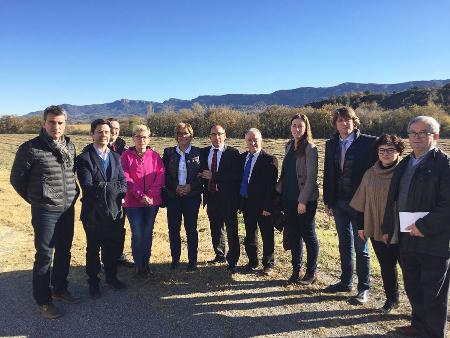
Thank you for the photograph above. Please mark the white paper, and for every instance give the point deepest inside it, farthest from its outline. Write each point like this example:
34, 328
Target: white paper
408, 218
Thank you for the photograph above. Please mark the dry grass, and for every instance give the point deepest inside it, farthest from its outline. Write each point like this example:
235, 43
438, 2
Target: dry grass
16, 212
15, 218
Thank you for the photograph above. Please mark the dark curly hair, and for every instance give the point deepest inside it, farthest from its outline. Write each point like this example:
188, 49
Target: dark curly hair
392, 140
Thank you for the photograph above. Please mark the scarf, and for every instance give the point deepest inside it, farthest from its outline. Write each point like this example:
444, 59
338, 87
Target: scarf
59, 148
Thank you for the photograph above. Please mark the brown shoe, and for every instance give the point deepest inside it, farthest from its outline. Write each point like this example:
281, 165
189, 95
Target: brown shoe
308, 278
65, 297
49, 311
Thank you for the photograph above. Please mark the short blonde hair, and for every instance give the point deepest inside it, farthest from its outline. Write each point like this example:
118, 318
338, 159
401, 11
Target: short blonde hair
183, 125
139, 128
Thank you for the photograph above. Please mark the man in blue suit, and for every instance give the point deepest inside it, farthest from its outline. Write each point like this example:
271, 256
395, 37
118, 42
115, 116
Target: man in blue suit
103, 184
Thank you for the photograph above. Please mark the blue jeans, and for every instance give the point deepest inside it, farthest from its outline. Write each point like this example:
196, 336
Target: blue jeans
141, 223
53, 231
348, 238
188, 208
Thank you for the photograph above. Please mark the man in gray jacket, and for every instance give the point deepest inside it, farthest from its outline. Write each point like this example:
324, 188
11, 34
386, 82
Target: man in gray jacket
43, 174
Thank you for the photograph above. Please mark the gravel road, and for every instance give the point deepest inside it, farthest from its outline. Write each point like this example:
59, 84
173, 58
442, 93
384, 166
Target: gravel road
207, 303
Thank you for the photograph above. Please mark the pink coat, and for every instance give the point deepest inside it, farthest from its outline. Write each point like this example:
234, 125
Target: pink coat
145, 176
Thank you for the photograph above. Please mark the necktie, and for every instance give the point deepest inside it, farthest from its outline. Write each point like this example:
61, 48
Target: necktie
244, 183
113, 147
211, 184
343, 150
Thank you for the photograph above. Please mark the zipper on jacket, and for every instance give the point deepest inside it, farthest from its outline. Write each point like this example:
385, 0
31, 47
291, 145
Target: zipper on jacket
64, 187
143, 170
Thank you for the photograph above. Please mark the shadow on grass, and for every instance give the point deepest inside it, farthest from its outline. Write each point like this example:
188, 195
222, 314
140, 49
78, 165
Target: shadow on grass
206, 303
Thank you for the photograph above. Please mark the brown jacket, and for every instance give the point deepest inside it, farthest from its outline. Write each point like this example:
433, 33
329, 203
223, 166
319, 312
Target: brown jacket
370, 198
306, 168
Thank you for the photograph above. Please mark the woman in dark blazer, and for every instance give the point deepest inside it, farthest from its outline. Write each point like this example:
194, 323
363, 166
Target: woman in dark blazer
184, 188
299, 191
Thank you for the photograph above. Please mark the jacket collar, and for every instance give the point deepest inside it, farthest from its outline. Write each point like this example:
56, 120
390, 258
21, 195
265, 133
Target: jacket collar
356, 132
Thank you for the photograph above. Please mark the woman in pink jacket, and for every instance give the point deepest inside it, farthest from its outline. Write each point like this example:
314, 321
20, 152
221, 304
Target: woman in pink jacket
144, 172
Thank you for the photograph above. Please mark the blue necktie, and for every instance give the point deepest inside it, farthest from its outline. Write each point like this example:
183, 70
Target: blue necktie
244, 183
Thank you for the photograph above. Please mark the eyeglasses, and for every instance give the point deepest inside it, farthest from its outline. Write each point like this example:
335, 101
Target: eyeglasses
216, 134
183, 134
388, 151
140, 137
420, 134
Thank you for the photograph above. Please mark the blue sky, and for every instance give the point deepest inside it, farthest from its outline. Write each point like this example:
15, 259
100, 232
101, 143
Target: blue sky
84, 52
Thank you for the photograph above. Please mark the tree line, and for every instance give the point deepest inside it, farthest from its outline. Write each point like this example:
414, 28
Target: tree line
273, 121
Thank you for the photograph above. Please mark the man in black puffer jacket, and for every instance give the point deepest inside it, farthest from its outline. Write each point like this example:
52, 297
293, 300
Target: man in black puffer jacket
43, 174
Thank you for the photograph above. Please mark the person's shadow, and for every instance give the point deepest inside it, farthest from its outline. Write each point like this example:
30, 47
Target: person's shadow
205, 303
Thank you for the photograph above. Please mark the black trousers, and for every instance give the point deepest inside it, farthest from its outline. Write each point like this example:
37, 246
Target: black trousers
426, 281
105, 237
122, 239
221, 215
388, 257
252, 221
53, 231
301, 228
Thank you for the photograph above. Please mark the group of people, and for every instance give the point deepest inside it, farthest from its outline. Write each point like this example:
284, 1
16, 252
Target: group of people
367, 188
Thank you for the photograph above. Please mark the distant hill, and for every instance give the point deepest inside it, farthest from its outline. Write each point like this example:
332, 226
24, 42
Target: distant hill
414, 96
292, 97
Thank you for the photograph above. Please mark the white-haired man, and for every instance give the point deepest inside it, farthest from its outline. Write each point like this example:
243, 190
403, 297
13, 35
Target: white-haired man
421, 183
257, 190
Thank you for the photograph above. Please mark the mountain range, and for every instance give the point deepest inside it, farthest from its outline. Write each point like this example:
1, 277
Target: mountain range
291, 97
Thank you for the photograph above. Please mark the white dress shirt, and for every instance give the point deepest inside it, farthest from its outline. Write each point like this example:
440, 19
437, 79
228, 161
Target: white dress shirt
182, 169
219, 156
255, 157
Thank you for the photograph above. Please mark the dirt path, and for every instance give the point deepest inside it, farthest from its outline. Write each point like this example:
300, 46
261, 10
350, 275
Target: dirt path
207, 303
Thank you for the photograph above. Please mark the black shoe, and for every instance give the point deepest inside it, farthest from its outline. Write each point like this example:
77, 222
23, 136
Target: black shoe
295, 277
338, 287
267, 271
94, 291
217, 260
124, 261
192, 267
65, 297
49, 311
361, 298
308, 278
389, 305
115, 283
174, 265
138, 272
408, 331
145, 271
232, 268
149, 270
249, 268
